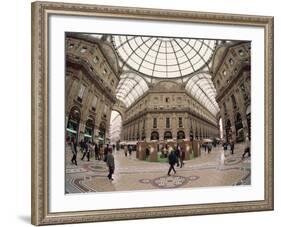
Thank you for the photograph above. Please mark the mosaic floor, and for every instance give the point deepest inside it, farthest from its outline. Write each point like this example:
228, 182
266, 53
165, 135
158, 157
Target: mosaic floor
209, 170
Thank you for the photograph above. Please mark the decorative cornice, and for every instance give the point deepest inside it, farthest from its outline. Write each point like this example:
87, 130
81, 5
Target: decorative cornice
244, 67
93, 78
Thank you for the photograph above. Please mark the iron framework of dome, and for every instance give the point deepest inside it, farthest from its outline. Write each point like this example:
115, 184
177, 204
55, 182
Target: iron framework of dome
163, 57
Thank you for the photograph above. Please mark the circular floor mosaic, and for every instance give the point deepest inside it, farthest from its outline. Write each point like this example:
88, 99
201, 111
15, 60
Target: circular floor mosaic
169, 181
232, 161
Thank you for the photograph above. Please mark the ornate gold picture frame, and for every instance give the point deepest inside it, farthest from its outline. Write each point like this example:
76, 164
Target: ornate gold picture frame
41, 68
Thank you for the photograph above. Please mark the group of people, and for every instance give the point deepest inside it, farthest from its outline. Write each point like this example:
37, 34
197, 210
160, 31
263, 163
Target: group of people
175, 156
230, 144
88, 149
128, 149
208, 147
247, 150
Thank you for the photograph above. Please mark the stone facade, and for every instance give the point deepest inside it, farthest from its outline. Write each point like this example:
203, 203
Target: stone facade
167, 111
231, 75
92, 76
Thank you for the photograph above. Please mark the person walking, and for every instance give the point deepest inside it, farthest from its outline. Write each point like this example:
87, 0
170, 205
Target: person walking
126, 150
105, 153
247, 149
101, 152
97, 157
86, 151
130, 150
172, 158
224, 147
182, 157
232, 147
177, 152
209, 148
73, 145
110, 163
91, 149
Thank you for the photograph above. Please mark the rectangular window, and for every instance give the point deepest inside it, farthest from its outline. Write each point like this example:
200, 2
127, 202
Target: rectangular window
105, 109
81, 91
180, 122
94, 103
154, 122
167, 122
224, 108
233, 101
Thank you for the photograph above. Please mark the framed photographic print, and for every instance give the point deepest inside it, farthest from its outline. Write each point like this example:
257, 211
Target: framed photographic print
149, 113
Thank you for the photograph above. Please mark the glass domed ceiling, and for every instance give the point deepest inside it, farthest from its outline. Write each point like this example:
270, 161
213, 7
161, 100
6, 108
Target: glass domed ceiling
164, 57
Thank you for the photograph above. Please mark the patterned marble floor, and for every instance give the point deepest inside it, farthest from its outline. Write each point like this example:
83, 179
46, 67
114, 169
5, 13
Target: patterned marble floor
209, 170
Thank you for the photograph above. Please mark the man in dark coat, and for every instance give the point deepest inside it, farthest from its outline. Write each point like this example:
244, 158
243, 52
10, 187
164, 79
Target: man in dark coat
232, 147
110, 163
86, 151
172, 158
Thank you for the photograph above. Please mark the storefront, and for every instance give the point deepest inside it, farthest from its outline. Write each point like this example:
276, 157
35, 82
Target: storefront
73, 124
89, 130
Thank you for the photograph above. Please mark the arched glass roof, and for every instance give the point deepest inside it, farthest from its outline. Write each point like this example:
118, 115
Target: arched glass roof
201, 87
164, 57
130, 88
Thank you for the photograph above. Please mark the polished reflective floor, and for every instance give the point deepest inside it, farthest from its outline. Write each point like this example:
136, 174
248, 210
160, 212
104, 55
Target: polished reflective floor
217, 168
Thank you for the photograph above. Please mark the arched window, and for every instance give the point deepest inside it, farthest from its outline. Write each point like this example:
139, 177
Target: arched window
154, 136
180, 135
73, 123
168, 135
